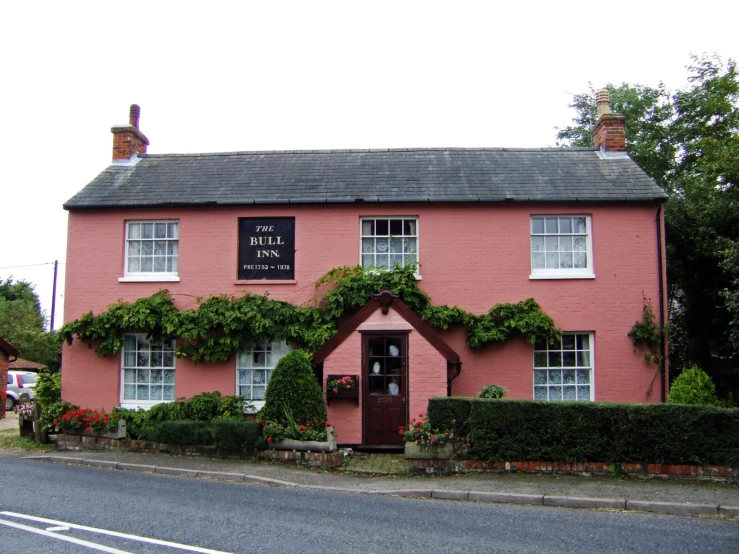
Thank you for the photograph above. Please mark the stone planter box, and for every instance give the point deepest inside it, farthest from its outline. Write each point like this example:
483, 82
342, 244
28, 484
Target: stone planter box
306, 446
414, 451
26, 427
119, 434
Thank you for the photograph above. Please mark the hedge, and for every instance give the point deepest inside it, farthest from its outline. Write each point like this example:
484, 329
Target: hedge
231, 436
509, 430
237, 436
196, 433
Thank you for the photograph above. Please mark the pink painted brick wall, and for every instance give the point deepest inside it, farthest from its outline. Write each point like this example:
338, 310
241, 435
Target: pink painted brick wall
471, 255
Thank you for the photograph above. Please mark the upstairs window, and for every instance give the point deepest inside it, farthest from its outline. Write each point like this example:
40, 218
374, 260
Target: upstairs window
561, 247
387, 242
152, 250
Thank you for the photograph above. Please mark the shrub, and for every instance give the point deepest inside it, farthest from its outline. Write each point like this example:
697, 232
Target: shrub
139, 425
49, 398
166, 411
237, 436
493, 392
294, 389
202, 407
199, 433
48, 388
693, 386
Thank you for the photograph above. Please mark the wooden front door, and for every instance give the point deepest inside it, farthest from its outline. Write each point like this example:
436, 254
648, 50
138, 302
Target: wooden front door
385, 386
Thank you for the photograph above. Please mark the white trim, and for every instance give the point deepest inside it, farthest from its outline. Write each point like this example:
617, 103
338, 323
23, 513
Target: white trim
149, 278
564, 273
554, 274
143, 404
590, 369
278, 349
417, 219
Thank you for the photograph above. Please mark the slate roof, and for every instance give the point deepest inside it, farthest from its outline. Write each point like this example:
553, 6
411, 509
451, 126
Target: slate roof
385, 176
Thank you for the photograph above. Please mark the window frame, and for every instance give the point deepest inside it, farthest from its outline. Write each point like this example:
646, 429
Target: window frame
417, 236
562, 367
278, 349
562, 273
146, 404
139, 276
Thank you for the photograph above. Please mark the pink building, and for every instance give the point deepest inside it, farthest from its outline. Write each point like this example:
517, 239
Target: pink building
578, 230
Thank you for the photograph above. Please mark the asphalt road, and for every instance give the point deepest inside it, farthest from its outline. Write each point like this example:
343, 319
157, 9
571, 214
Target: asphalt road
245, 518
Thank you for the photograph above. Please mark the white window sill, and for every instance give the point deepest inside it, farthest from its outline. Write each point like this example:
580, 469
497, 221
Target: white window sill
258, 405
561, 275
141, 405
378, 271
153, 278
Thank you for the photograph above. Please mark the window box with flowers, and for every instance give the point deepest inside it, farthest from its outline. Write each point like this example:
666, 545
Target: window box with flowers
423, 442
91, 423
342, 386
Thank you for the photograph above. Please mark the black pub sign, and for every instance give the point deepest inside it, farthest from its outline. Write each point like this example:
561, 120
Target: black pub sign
266, 248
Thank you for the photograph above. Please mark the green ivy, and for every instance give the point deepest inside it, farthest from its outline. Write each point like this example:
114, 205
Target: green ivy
647, 335
222, 325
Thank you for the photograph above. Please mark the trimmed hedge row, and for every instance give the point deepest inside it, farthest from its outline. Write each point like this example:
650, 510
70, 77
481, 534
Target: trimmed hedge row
501, 430
226, 436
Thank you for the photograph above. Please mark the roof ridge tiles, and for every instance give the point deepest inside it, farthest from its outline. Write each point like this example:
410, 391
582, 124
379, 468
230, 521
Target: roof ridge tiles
367, 151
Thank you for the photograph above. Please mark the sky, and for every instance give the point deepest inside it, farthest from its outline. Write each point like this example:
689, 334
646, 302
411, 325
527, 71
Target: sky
236, 76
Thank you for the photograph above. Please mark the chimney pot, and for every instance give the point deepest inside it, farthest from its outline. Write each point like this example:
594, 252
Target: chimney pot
602, 102
134, 114
609, 133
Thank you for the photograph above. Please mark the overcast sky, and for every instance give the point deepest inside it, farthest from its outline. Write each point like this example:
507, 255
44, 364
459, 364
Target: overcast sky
233, 76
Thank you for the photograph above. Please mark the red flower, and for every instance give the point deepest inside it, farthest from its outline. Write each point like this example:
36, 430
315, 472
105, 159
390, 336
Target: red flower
269, 439
329, 424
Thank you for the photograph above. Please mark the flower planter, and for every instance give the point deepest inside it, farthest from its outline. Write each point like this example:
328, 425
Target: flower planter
415, 451
306, 446
119, 434
343, 393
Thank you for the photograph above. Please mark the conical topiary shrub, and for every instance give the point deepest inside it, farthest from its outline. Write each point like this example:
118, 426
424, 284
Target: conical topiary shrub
294, 388
693, 386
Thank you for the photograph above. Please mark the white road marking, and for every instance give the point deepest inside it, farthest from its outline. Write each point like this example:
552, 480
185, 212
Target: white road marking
147, 540
73, 540
62, 528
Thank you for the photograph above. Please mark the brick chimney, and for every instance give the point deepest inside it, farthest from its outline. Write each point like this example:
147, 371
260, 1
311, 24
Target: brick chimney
127, 139
608, 134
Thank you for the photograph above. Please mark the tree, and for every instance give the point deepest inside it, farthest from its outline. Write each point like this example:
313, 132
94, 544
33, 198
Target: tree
688, 142
22, 323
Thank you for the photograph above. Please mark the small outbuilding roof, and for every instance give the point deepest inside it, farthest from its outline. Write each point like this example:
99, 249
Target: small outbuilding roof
20, 365
370, 176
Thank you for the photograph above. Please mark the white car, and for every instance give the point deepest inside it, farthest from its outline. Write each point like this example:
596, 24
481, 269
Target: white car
19, 382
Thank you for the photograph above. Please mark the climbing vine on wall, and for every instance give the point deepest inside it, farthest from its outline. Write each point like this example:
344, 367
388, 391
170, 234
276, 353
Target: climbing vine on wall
647, 335
222, 325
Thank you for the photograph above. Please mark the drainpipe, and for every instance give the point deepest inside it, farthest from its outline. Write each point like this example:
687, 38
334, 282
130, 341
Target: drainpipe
452, 377
663, 347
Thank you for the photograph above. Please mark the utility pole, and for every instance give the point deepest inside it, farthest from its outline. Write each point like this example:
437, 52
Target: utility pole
53, 297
